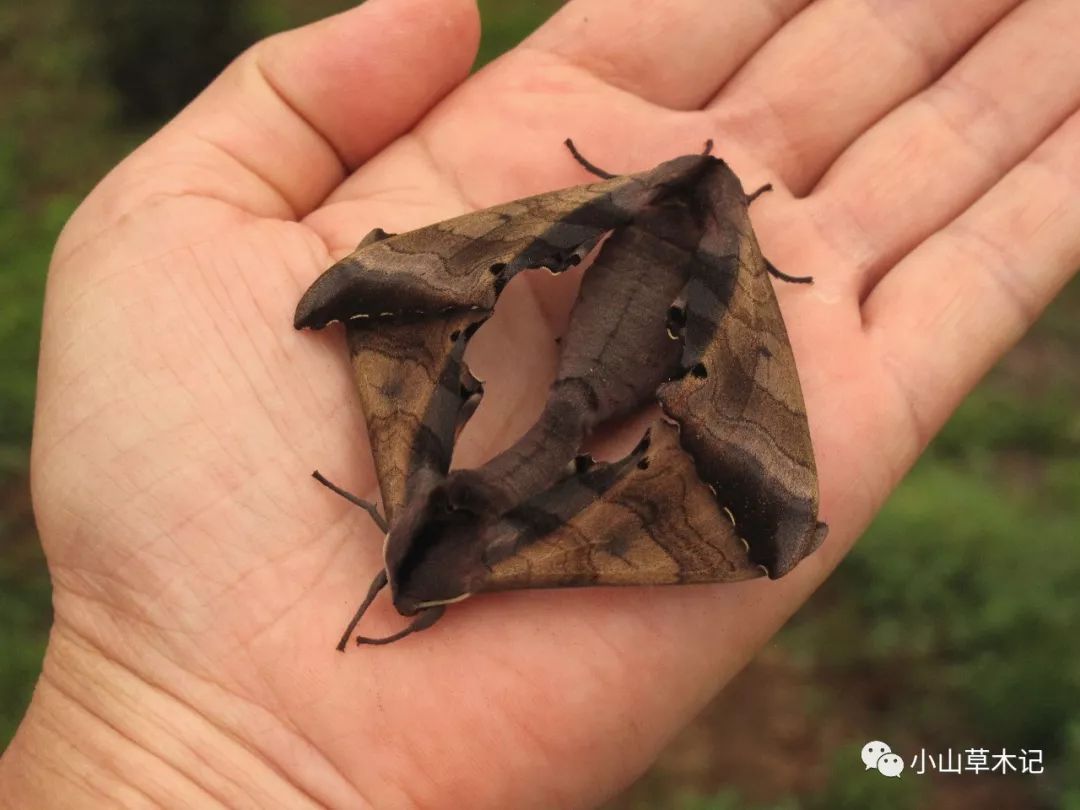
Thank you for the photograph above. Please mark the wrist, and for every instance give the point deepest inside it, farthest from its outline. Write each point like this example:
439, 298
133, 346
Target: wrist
80, 743
98, 735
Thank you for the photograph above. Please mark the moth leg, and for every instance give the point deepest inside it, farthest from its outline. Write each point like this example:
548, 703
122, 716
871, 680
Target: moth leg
753, 195
785, 277
708, 147
377, 585
591, 168
424, 619
367, 506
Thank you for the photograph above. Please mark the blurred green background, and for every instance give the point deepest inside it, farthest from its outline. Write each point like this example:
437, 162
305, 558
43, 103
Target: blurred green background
952, 625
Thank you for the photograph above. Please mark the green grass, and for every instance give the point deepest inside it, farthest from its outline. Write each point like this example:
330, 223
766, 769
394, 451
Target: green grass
997, 421
54, 142
977, 591
26, 240
963, 598
26, 612
848, 787
506, 22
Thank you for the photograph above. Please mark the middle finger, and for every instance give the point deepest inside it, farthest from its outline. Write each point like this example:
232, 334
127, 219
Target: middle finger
837, 68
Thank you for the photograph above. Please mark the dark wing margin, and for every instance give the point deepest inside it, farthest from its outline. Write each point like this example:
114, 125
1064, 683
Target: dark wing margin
740, 404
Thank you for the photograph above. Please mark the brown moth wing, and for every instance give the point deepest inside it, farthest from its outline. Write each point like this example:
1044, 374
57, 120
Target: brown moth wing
415, 392
740, 405
644, 520
464, 262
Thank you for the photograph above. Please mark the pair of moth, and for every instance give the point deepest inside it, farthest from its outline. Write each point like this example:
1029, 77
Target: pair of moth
677, 309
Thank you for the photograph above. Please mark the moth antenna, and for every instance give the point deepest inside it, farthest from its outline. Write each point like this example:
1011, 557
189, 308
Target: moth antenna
367, 506
708, 147
785, 277
753, 195
424, 620
377, 585
591, 168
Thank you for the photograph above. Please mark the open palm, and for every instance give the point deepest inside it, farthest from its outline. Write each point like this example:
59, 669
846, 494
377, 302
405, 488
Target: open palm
925, 158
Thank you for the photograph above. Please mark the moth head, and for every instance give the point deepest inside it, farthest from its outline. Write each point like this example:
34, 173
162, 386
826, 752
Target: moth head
434, 550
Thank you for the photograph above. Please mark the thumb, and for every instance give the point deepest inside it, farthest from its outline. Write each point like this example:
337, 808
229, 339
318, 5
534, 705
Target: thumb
286, 122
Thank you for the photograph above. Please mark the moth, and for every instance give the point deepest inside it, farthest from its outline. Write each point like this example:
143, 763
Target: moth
677, 309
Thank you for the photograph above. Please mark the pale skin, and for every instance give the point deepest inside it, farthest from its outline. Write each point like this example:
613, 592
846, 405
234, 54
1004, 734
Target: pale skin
926, 160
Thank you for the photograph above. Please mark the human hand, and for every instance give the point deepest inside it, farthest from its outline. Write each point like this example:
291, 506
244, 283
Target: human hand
201, 579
